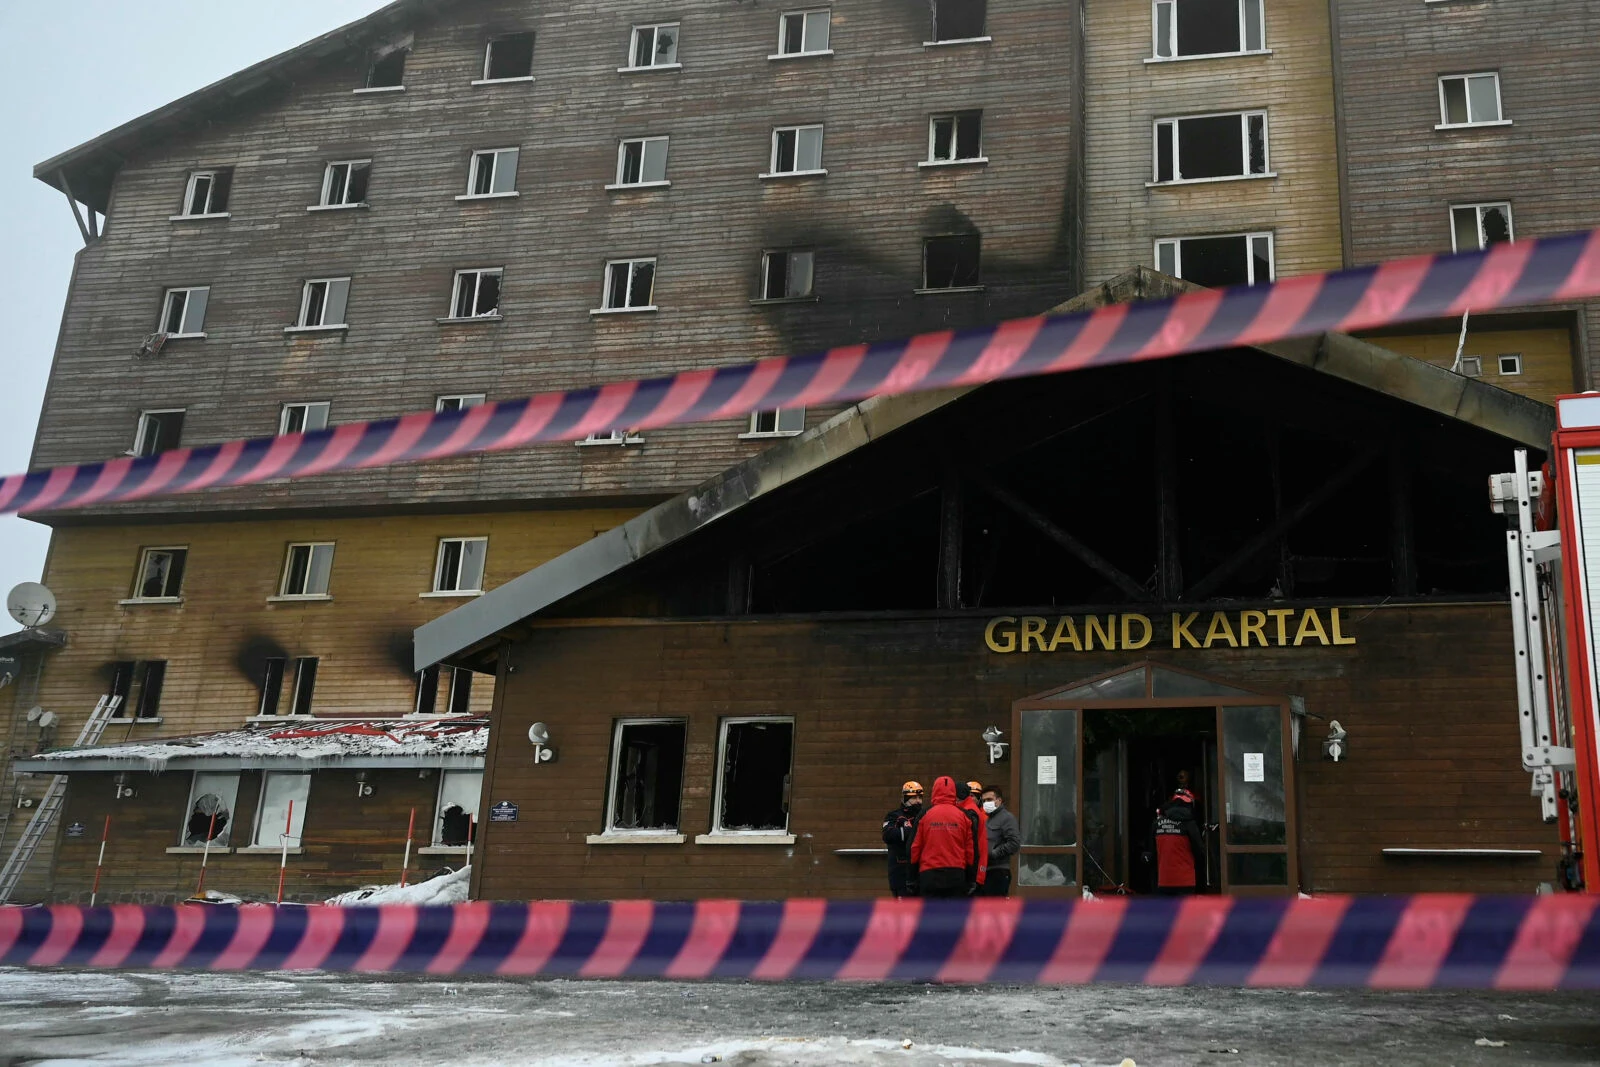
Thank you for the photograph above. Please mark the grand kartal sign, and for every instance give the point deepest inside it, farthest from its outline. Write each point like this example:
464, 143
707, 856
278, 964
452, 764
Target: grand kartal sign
1274, 627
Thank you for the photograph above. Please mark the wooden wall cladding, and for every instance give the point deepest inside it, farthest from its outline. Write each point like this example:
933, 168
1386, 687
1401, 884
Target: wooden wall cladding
1547, 356
1426, 694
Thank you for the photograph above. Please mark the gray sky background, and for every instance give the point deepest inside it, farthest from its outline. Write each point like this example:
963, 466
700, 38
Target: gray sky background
73, 71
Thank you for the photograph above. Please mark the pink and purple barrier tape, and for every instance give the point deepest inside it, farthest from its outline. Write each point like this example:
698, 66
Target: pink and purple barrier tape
1543, 271
1431, 941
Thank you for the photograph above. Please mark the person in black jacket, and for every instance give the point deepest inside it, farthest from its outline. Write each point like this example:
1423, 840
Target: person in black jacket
899, 830
1005, 841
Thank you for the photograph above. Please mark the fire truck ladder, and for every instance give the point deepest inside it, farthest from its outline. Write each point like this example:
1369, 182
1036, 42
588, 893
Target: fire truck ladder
44, 816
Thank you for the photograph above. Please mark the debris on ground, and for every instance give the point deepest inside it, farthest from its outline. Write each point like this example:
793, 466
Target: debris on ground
448, 888
1484, 1042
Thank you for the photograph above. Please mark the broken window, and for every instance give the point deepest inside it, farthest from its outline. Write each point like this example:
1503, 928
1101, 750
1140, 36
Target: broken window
458, 402
149, 677
160, 573
803, 32
306, 569
387, 71
1235, 259
271, 686
456, 824
797, 150
121, 687
1469, 99
786, 275
1208, 27
1475, 226
642, 161
951, 262
777, 422
477, 293
304, 418
654, 46
646, 775
459, 566
158, 431
509, 58
344, 184
493, 172
210, 814
754, 761
305, 684
183, 312
281, 815
958, 20
323, 302
630, 285
1472, 366
207, 192
612, 437
955, 137
1211, 146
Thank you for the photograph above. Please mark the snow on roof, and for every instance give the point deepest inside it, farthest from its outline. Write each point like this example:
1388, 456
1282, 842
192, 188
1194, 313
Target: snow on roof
454, 742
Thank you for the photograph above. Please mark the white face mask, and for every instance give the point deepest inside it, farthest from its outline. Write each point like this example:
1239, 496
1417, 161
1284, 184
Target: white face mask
989, 806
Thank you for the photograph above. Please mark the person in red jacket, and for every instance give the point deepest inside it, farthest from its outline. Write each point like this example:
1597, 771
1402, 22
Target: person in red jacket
967, 794
943, 851
1177, 841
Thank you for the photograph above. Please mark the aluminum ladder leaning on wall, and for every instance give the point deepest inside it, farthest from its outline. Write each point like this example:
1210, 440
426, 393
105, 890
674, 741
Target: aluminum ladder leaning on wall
44, 815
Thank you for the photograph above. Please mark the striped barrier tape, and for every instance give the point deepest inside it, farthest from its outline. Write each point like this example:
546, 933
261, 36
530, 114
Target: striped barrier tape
1507, 275
1419, 942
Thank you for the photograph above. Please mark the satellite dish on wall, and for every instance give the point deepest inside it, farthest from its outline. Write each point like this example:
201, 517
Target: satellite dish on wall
31, 604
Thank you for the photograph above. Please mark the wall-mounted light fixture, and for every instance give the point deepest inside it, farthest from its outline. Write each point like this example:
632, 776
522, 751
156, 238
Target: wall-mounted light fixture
362, 788
539, 737
997, 747
124, 790
1334, 748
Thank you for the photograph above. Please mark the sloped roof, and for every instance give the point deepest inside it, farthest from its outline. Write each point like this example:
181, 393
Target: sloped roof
87, 170
458, 634
455, 743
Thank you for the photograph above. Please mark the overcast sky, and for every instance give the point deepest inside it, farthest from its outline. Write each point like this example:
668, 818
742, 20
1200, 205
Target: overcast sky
73, 71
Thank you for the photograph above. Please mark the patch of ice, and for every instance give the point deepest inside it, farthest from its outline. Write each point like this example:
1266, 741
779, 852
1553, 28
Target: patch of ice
808, 1052
446, 889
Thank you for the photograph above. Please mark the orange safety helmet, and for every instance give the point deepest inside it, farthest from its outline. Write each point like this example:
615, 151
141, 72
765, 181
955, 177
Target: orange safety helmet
911, 787
976, 788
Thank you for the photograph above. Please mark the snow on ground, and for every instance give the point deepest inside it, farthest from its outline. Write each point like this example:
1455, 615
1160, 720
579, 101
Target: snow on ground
445, 889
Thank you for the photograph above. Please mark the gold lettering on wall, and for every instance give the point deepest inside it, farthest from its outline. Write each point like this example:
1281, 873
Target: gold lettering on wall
1146, 631
1106, 633
1033, 631
1066, 634
1250, 628
993, 637
1180, 630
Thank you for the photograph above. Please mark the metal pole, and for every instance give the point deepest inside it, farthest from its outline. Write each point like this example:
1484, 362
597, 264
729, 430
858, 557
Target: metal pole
405, 864
205, 856
283, 860
101, 862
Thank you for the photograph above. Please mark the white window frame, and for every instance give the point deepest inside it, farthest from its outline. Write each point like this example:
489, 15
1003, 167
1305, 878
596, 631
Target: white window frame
288, 561
438, 567
632, 265
644, 150
654, 29
476, 273
954, 118
1444, 122
436, 844
718, 834
806, 14
142, 429
373, 59
1169, 127
620, 438
325, 201
298, 710
271, 837
225, 841
330, 287
1250, 238
1478, 207
137, 596
463, 401
1516, 360
935, 41
611, 831
488, 58
766, 270
1172, 33
188, 195
779, 417
1472, 366
315, 411
495, 156
188, 305
772, 159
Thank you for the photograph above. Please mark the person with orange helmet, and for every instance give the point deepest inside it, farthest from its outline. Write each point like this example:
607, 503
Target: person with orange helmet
899, 830
967, 794
1178, 843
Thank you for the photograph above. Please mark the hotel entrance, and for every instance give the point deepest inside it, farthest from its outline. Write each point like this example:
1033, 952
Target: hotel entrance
1095, 760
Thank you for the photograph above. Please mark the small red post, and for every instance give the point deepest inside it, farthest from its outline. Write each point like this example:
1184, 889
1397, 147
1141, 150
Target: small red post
411, 833
205, 856
283, 860
101, 862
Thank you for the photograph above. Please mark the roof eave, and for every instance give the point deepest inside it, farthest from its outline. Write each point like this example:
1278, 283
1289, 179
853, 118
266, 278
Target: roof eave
102, 764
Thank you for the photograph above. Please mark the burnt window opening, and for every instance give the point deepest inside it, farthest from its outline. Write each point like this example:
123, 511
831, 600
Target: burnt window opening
647, 775
955, 137
387, 71
212, 798
1212, 146
139, 684
1208, 27
207, 192
427, 691
1234, 259
959, 20
345, 183
460, 692
121, 686
160, 574
305, 683
753, 775
951, 262
787, 275
157, 432
509, 57
271, 686
459, 792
